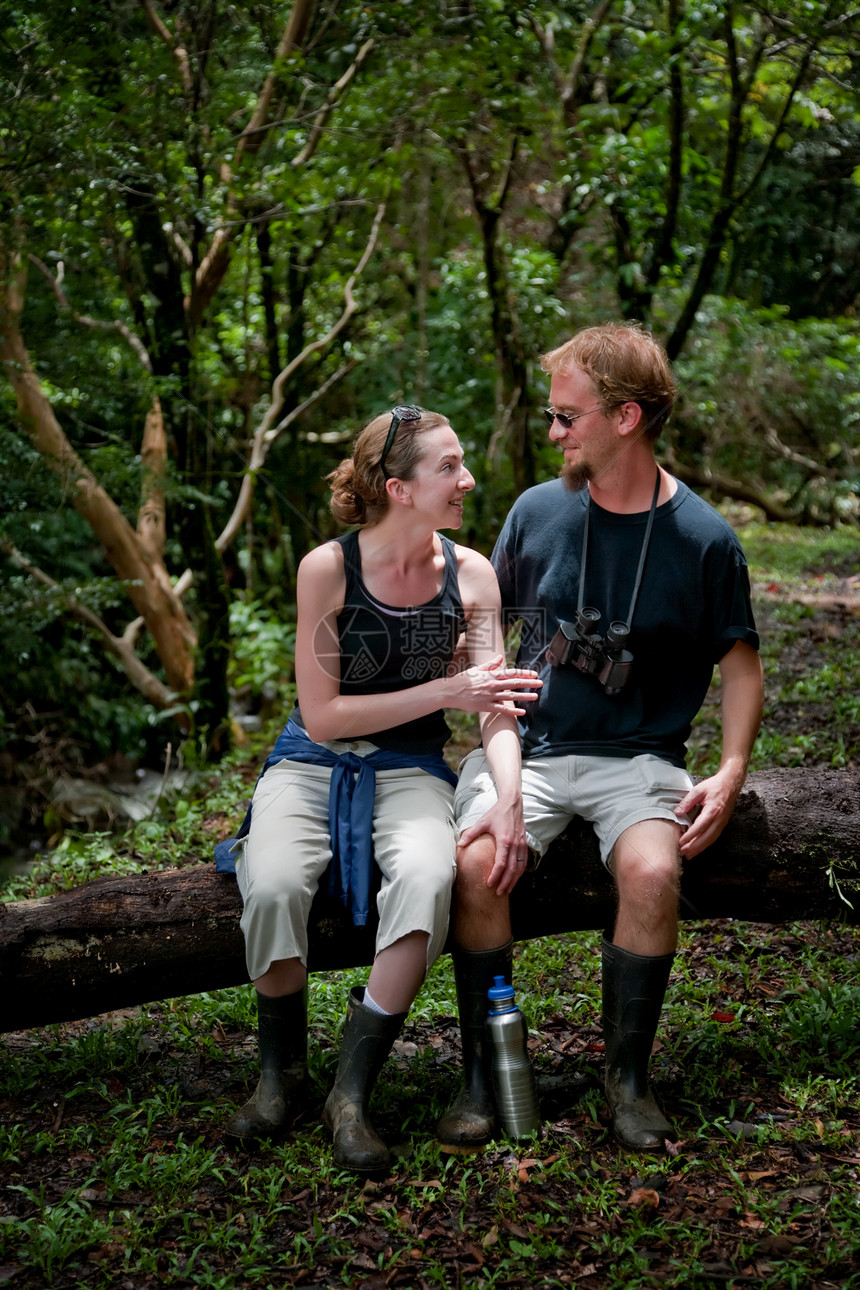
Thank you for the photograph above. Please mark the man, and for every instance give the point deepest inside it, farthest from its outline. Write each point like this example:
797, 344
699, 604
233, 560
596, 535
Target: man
606, 739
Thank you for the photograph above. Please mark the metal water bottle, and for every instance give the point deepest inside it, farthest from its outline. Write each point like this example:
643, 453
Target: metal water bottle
513, 1077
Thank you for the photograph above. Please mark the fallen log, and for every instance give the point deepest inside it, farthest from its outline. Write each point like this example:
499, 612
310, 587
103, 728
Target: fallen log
791, 851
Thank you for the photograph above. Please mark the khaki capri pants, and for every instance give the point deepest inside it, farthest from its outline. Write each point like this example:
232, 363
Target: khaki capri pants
288, 849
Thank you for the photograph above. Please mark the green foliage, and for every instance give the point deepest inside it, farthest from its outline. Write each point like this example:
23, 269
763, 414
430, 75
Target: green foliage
114, 175
823, 1021
793, 557
264, 640
777, 402
784, 256
810, 652
505, 189
177, 829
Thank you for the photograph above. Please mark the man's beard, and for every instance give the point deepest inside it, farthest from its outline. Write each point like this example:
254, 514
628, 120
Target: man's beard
576, 476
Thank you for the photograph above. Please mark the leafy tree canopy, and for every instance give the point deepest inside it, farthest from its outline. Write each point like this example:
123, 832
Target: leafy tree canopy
232, 233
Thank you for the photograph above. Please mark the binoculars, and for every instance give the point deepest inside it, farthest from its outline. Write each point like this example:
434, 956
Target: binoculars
580, 645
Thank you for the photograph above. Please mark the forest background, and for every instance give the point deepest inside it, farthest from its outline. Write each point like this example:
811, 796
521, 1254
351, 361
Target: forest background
231, 234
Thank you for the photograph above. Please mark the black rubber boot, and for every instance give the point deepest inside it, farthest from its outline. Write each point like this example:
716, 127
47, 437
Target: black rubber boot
470, 1122
283, 1041
634, 986
365, 1044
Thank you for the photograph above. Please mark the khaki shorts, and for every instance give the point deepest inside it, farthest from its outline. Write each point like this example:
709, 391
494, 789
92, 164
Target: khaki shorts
611, 792
288, 849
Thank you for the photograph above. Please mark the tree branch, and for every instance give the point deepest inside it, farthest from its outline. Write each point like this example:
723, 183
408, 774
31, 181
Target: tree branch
151, 520
808, 464
120, 647
665, 236
269, 429
500, 433
765, 160
704, 477
570, 92
179, 52
727, 202
334, 95
567, 85
546, 39
146, 580
214, 264
287, 421
251, 138
100, 324
565, 220
259, 451
507, 174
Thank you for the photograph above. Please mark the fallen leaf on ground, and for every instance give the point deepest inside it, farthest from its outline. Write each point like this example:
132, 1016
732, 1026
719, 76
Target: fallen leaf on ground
643, 1197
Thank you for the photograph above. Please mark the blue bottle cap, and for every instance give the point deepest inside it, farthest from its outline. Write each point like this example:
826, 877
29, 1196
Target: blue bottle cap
501, 990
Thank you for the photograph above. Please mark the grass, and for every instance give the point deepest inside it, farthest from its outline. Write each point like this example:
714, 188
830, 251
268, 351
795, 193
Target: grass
810, 651
115, 1173
136, 1182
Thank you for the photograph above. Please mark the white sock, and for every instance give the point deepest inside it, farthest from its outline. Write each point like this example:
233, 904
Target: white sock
370, 1002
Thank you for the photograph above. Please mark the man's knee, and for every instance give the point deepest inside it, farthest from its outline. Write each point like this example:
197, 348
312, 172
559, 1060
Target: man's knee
644, 873
646, 866
480, 916
474, 865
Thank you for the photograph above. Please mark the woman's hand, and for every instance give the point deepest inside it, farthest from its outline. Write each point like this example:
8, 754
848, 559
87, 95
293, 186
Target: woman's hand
492, 687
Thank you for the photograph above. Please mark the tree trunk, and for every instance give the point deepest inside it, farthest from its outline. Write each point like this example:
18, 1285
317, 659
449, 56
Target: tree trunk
144, 575
791, 851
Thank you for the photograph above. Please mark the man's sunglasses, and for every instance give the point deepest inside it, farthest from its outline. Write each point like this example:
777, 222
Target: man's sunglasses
567, 418
410, 412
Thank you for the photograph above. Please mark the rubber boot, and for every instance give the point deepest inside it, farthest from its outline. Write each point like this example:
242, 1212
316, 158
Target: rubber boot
470, 1122
282, 1030
634, 986
366, 1042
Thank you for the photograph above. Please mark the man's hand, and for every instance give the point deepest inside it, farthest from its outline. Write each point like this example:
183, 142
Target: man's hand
715, 797
504, 823
741, 703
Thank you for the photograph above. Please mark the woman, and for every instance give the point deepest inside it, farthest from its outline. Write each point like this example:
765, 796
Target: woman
381, 613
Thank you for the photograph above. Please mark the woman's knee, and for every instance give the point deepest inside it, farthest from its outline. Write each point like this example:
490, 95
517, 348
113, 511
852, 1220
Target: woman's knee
275, 899
421, 887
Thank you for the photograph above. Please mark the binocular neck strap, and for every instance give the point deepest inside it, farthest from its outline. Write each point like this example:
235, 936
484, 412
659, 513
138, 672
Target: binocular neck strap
642, 553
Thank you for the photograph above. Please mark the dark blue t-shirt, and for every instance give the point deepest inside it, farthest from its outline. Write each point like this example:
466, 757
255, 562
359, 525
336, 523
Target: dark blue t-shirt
693, 606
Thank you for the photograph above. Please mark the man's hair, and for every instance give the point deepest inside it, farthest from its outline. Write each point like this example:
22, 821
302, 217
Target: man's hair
626, 364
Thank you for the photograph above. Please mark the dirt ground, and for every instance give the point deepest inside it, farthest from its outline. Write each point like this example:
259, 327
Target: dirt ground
465, 1233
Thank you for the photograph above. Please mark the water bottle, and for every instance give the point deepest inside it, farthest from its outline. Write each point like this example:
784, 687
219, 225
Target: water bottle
513, 1077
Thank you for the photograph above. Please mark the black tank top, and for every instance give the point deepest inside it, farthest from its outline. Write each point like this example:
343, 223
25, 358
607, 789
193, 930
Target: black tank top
384, 648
